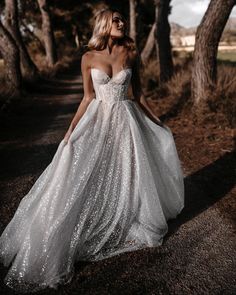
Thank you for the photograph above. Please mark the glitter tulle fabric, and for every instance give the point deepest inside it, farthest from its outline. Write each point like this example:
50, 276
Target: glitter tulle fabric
109, 190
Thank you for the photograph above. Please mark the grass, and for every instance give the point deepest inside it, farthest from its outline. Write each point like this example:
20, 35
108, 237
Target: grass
223, 55
177, 92
227, 56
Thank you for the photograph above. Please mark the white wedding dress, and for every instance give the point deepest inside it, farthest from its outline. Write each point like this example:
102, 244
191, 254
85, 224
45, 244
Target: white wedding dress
109, 190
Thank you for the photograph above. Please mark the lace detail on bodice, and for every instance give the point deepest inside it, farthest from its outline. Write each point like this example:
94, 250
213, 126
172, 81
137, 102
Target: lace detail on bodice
111, 89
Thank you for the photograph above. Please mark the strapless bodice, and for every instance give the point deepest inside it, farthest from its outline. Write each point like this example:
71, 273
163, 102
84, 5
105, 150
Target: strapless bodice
111, 89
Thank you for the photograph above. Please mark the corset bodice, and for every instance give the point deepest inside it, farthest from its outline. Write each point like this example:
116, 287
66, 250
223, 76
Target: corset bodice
111, 89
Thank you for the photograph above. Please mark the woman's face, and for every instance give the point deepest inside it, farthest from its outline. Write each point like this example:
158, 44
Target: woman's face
118, 26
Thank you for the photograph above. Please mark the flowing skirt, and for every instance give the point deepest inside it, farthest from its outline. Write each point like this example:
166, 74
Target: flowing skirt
109, 190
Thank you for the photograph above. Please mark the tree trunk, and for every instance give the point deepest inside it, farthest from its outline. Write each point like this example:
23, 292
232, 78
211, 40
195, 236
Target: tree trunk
29, 69
49, 39
132, 19
163, 39
148, 48
11, 56
36, 37
204, 71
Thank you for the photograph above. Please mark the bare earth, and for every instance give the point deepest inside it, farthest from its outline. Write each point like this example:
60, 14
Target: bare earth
198, 255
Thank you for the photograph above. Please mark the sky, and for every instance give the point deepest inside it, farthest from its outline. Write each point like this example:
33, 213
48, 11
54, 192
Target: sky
188, 13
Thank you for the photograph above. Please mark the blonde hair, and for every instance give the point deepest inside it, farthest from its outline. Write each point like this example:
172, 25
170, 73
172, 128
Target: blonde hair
102, 29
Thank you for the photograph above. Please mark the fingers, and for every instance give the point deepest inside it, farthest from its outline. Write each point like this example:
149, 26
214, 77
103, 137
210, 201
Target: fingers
66, 138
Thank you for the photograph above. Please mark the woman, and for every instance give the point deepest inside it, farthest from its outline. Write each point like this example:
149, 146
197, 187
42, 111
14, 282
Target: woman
113, 182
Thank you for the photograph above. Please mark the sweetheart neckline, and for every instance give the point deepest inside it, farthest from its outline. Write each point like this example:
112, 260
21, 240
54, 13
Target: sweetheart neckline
110, 78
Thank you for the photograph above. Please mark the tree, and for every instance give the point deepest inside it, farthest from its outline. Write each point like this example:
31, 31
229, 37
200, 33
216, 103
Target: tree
11, 56
147, 50
132, 19
49, 39
204, 71
11, 23
163, 39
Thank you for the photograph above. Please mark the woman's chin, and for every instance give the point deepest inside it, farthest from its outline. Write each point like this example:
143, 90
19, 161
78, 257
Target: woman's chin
118, 36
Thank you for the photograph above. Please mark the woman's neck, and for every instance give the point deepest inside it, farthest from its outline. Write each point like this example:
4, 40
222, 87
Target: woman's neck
112, 42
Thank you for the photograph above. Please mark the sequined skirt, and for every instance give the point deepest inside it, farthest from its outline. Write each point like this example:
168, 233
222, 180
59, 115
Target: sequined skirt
109, 190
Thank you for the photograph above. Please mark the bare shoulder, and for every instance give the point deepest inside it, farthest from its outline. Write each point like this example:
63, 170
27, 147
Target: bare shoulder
86, 59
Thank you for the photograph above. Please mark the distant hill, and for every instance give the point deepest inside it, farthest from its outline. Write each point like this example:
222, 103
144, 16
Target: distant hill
178, 30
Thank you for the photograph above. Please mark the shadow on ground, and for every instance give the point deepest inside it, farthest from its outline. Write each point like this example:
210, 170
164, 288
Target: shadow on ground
205, 187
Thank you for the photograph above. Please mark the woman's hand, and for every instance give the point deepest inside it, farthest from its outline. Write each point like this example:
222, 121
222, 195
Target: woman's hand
68, 133
149, 113
138, 94
157, 120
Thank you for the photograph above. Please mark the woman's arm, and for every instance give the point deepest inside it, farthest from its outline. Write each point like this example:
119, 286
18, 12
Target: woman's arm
138, 92
88, 93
